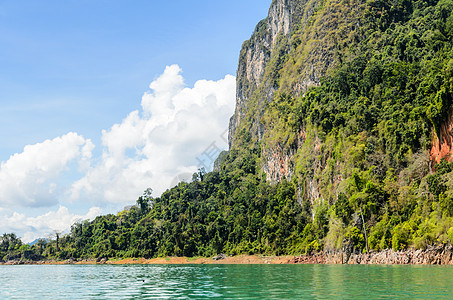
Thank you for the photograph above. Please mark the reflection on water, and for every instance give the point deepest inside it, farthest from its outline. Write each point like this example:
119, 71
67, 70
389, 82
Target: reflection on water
225, 282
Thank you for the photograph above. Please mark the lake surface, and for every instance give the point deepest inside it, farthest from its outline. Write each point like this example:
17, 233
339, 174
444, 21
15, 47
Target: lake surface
225, 282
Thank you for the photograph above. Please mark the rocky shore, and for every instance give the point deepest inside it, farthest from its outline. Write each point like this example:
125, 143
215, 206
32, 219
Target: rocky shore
55, 262
434, 255
218, 259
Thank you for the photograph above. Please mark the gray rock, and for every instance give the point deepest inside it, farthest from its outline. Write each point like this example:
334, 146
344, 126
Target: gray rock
219, 257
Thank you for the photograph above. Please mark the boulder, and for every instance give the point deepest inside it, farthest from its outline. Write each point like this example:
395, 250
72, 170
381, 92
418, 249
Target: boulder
219, 257
101, 260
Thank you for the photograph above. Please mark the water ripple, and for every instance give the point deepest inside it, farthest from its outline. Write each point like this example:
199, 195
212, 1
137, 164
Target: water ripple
225, 282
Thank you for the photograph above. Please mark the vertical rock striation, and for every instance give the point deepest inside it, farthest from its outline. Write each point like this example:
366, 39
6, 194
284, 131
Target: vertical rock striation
442, 144
288, 52
255, 55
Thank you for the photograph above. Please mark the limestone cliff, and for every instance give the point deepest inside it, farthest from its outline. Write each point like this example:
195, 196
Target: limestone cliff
289, 51
269, 41
255, 55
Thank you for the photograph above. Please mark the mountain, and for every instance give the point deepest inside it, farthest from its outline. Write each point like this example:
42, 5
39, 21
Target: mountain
341, 140
351, 102
34, 242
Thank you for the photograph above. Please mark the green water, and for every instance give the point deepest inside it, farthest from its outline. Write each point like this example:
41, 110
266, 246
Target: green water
226, 282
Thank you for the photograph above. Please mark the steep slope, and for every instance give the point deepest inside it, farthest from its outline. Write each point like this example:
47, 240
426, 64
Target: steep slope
262, 55
352, 104
442, 145
289, 52
300, 42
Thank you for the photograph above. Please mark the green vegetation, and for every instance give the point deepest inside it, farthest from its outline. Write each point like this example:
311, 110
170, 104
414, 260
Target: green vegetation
231, 211
362, 174
361, 137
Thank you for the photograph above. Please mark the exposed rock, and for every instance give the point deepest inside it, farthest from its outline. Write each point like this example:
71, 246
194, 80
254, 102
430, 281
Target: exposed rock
434, 255
101, 260
256, 53
219, 257
442, 144
312, 38
308, 259
219, 160
278, 163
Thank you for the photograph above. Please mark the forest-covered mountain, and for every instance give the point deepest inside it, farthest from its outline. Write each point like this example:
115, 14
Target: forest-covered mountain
341, 138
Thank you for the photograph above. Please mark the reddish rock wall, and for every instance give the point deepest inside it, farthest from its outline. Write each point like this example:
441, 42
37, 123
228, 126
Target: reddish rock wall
443, 145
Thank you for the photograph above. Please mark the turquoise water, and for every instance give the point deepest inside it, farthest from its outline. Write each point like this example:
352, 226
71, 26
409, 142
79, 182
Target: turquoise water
225, 282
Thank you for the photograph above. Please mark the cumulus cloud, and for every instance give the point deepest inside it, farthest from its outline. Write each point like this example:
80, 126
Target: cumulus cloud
31, 178
151, 147
31, 228
178, 130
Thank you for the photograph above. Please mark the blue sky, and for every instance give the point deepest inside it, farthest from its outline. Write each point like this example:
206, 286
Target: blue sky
78, 114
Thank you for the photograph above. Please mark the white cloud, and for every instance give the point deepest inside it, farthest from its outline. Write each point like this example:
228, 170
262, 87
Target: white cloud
152, 147
31, 228
149, 148
31, 178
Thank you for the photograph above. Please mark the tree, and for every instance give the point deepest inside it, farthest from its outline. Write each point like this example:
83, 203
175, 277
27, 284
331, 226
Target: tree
41, 243
9, 242
145, 202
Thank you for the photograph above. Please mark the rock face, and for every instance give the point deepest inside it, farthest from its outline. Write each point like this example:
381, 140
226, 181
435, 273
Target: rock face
434, 255
442, 144
256, 53
289, 52
267, 42
101, 260
219, 257
278, 161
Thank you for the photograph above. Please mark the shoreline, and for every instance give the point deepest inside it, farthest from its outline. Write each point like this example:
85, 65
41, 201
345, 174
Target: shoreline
239, 259
434, 255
